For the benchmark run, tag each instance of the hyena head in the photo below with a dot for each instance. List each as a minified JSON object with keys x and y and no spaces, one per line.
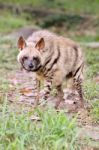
{"x":32,"y":56}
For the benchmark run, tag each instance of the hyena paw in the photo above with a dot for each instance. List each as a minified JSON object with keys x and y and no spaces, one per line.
{"x":44,"y":95}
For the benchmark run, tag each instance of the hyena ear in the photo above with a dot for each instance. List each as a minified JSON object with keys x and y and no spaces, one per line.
{"x":40,"y":44}
{"x":21,"y":43}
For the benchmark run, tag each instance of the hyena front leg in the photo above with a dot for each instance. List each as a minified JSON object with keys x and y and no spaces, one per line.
{"x":36,"y":91}
{"x":47,"y":88}
{"x":60,"y":95}
{"x":78,"y":87}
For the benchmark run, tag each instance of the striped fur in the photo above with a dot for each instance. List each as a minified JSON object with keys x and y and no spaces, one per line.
{"x":60,"y":59}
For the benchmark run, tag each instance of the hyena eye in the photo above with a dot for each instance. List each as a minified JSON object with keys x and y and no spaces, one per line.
{"x":25,"y":58}
{"x":35,"y":58}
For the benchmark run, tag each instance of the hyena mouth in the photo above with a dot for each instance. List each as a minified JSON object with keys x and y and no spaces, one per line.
{"x":31,"y":70}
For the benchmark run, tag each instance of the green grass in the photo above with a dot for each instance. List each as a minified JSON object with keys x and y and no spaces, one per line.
{"x":9,"y":22}
{"x":95,"y":111}
{"x":91,"y":90}
{"x":7,"y":55}
{"x":85,"y":38}
{"x":55,"y":131}
{"x":91,"y":87}
{"x":92,"y":59}
{"x":71,"y":20}
{"x":78,"y":6}
{"x":91,"y":93}
{"x":8,"y":63}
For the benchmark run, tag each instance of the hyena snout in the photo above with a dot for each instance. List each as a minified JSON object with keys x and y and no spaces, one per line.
{"x":35,"y":64}
{"x":32,"y":64}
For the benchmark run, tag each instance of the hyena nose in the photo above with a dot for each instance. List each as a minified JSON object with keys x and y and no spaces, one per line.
{"x":31,"y":66}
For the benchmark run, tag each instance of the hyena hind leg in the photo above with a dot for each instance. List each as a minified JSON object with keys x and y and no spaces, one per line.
{"x":60,"y":95}
{"x":78,"y":86}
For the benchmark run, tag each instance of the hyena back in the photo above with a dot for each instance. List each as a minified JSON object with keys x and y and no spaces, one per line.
{"x":54,"y":59}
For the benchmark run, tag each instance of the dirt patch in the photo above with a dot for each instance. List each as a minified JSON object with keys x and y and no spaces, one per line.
{"x":22,"y":92}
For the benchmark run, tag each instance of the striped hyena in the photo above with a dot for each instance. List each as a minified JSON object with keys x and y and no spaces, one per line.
{"x":54,"y":59}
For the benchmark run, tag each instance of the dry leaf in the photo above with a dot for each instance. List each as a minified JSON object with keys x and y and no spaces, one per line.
{"x":26,"y":92}
{"x":35,"y":118}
